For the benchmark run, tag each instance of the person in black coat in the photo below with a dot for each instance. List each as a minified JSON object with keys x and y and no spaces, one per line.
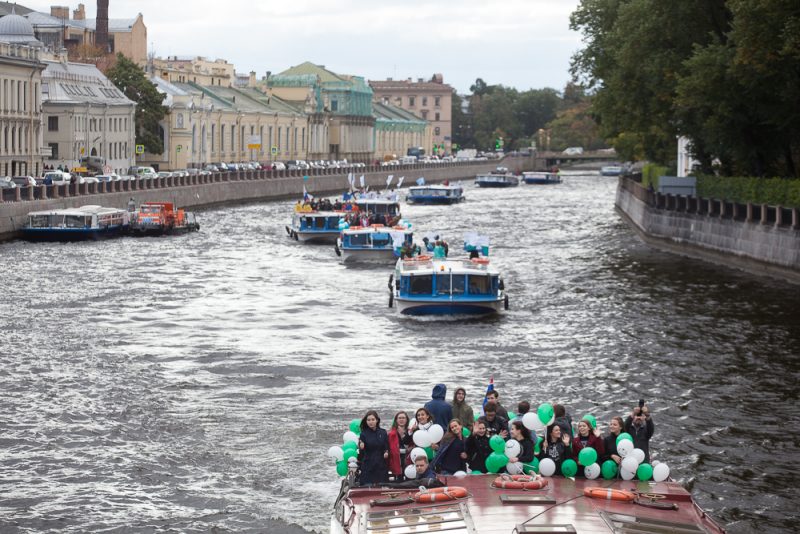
{"x":557,"y":446}
{"x":640,"y":426}
{"x":477,"y":447}
{"x":451,"y":456}
{"x":520,"y":433}
{"x":610,"y":441}
{"x":373,"y":445}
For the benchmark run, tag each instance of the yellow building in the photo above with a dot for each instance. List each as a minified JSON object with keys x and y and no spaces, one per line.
{"x":397,"y":130}
{"x":195,"y":69}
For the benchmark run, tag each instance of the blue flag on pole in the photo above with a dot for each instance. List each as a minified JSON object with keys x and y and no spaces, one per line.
{"x":489,"y":388}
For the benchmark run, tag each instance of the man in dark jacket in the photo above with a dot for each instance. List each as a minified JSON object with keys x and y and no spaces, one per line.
{"x":439,"y":408}
{"x":494,"y":423}
{"x":640,"y":426}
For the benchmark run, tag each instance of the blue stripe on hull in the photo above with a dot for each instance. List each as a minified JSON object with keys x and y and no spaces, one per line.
{"x":433,"y":200}
{"x":497,"y":184}
{"x":447,"y":308}
{"x":71,"y":234}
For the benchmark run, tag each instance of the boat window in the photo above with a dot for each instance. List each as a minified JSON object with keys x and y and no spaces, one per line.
{"x":332,"y":222}
{"x":421,"y":285}
{"x":76,"y":221}
{"x":319,"y":222}
{"x":380,"y":240}
{"x":443,"y":282}
{"x":358,"y":240}
{"x":39,"y":221}
{"x":479,"y":285}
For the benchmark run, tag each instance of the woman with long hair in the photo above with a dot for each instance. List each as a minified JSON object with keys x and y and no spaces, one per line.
{"x":587,"y":436}
{"x":615,"y":428}
{"x":400,"y":444}
{"x":521,"y":433}
{"x":451,"y":455}
{"x":373,"y":445}
{"x":556,"y":446}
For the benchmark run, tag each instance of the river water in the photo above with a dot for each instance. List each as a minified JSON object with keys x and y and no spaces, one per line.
{"x":194,"y":383}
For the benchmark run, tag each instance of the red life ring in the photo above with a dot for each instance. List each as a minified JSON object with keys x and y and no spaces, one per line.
{"x":609,"y":494}
{"x":525,"y":482}
{"x":447,"y":493}
{"x":481,"y":261}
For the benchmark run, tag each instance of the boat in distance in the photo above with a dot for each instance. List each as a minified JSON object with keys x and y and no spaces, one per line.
{"x":372,"y":244}
{"x":500,"y":177}
{"x":611,"y":170}
{"x":76,"y":224}
{"x":315,"y":226}
{"x":162,"y":218}
{"x":541,"y":177}
{"x":435,"y":194}
{"x":424,"y":285}
{"x":478,"y":504}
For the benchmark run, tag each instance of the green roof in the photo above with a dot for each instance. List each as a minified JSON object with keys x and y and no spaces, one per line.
{"x":309,"y":69}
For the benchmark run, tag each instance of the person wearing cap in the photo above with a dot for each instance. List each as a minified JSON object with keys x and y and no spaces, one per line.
{"x":588,"y":436}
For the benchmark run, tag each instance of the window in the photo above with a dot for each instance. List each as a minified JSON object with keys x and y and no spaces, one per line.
{"x":424,"y":100}
{"x":52,"y":124}
{"x":437,"y":100}
{"x":437,"y":131}
{"x":412,"y":101}
{"x":443,"y":283}
{"x":421,"y":285}
{"x":213,"y":141}
{"x":222,"y":138}
{"x":304,"y":139}
{"x":425,"y":114}
{"x":54,"y":150}
{"x":479,"y":285}
{"x":385,"y":100}
{"x":437,"y":115}
{"x":280,"y":134}
{"x":334,"y":105}
{"x":233,"y":139}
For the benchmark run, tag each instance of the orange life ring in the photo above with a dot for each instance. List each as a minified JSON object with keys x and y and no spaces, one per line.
{"x":418,"y":258}
{"x":376,"y":225}
{"x":447,"y":493}
{"x":481,"y":261}
{"x":524,"y":482}
{"x":609,"y":494}
{"x":399,"y":227}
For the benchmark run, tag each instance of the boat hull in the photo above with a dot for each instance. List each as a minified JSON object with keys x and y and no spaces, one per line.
{"x":72,"y":234}
{"x":313,"y":237}
{"x":434,"y":200}
{"x":542,"y":181}
{"x":367,"y":255}
{"x":496,"y":184}
{"x":447,"y":307}
{"x":155,"y":231}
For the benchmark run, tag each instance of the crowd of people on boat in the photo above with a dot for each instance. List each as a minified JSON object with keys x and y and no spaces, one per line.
{"x":385,"y":454}
{"x":437,"y":247}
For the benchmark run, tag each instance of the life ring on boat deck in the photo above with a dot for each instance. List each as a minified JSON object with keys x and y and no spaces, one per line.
{"x":505,"y":302}
{"x":524,"y":482}
{"x":609,"y":494}
{"x":399,"y":227}
{"x":418,"y":258}
{"x":480,"y":261}
{"x":336,"y":249}
{"x":288,"y":230}
{"x":376,"y":226}
{"x":447,"y":493}
{"x":355,"y":228}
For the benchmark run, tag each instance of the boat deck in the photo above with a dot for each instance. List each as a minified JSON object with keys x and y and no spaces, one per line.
{"x":560,"y":507}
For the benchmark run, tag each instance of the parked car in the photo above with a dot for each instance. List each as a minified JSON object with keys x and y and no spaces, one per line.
{"x":278,"y":166}
{"x":7,"y":183}
{"x":211,"y":168}
{"x":24,"y":181}
{"x":108,"y":177}
{"x":574,"y":151}
{"x":56,"y":178}
{"x":164,"y":174}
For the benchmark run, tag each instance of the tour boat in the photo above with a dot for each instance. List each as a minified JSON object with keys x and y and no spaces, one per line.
{"x":480,"y":504}
{"x":384,"y":206}
{"x":435,"y":194}
{"x":497,"y":178}
{"x":376,"y":243}
{"x":424,"y":285}
{"x":537,"y":177}
{"x":611,"y":170}
{"x":75,"y":224}
{"x":315,"y":226}
{"x":162,"y":218}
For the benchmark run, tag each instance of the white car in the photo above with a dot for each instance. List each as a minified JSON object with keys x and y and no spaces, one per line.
{"x":278,"y":166}
{"x":108,"y":177}
{"x":574,"y":151}
{"x":57,"y":177}
{"x":90,"y":180}
{"x":24,"y":181}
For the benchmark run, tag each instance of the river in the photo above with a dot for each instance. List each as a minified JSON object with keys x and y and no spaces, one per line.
{"x":195,"y":383}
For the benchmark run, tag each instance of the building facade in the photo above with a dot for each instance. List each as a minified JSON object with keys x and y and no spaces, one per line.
{"x":430,"y":100}
{"x":397,"y":130}
{"x":84,"y":114}
{"x":196,"y":69}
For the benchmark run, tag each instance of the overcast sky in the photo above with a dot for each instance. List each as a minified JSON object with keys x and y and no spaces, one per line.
{"x":518,"y":43}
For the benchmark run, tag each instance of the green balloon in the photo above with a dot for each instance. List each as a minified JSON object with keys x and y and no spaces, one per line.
{"x":532,"y":467}
{"x":477,"y":416}
{"x":497,"y":443}
{"x":350,"y":445}
{"x":545,"y":413}
{"x":465,"y":432}
{"x":429,"y":453}
{"x":355,"y":426}
{"x":645,"y":472}
{"x":475,"y":472}
{"x":496,"y":461}
{"x":587,"y":456}
{"x":511,"y":416}
{"x":609,"y":469}
{"x":341,"y":468}
{"x":624,"y":435}
{"x":569,"y":468}
{"x":350,"y":453}
{"x":592,"y":421}
{"x":539,"y":441}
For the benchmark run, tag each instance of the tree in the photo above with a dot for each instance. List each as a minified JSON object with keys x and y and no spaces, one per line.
{"x":462,"y":123}
{"x":132,"y":81}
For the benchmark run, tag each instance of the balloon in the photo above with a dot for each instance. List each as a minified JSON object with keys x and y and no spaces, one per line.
{"x":436,"y":432}
{"x":422,"y":438}
{"x":551,"y":421}
{"x":465,"y":432}
{"x":624,"y":435}
{"x":627,"y":475}
{"x":569,"y":468}
{"x":587,"y":456}
{"x":513,"y":448}
{"x":459,"y":474}
{"x":496,"y":461}
{"x":477,"y":416}
{"x":349,"y":453}
{"x":350,"y":445}
{"x":349,"y":436}
{"x":592,"y":421}
{"x":547,"y":467}
{"x":410,"y":472}
{"x":661,"y":472}
{"x":336,"y":453}
{"x":532,"y":467}
{"x":514,"y":468}
{"x":609,"y":469}
{"x":638,"y":454}
{"x":529,"y":420}
{"x":545,"y":413}
{"x":511,"y":416}
{"x":416,"y":452}
{"x":355,"y":426}
{"x":645,"y":472}
{"x":412,"y":423}
{"x":629,"y":463}
{"x":497,"y":443}
{"x":475,"y":472}
{"x":592,"y":471}
{"x":654,"y":463}
{"x":624,"y":447}
{"x":429,"y":452}
{"x":341,"y":468}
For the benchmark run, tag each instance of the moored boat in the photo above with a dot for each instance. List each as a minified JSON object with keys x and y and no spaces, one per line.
{"x":611,"y":170}
{"x":162,"y":218}
{"x":376,"y":243}
{"x":435,"y":194}
{"x":424,"y":285}
{"x":75,"y":224}
{"x":500,"y":177}
{"x":541,"y":177}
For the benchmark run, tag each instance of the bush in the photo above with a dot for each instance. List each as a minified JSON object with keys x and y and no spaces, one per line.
{"x":651,"y":173}
{"x":772,"y":191}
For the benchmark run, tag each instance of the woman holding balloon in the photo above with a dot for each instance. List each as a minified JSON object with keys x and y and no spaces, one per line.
{"x":610,"y":441}
{"x":587,"y":446}
{"x":451,"y":456}
{"x":521,"y":453}
{"x":373,"y":446}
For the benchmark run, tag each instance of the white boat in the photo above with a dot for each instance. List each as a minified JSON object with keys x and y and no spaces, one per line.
{"x":500,"y":177}
{"x":542,"y":178}
{"x":75,"y":224}
{"x":435,"y":194}
{"x":424,"y":285}
{"x":319,"y":226}
{"x":376,"y":243}
{"x":611,"y":170}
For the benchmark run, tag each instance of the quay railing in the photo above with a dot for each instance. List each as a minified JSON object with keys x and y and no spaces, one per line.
{"x":764,"y":214}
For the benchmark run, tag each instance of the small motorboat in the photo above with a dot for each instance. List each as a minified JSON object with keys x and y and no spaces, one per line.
{"x":435,"y":194}
{"x":424,"y":285}
{"x":541,"y":177}
{"x":611,"y":170}
{"x":500,"y":177}
{"x":374,"y":244}
{"x":315,"y":226}
{"x":162,"y":218}
{"x":75,"y":224}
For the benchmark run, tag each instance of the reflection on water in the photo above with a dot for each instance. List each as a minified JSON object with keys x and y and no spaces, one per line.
{"x":191,"y":382}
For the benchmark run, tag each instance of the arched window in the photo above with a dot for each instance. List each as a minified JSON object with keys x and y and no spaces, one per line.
{"x":194,"y":139}
{"x":203,"y":141}
{"x":94,"y":152}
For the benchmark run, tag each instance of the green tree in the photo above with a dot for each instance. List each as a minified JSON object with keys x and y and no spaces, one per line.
{"x":535,"y":108}
{"x":462,"y":123}
{"x":132,"y":81}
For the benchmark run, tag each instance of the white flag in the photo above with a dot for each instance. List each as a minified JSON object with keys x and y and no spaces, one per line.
{"x":351,"y":178}
{"x":400,"y":182}
{"x":362,"y":180}
{"x":389,"y":180}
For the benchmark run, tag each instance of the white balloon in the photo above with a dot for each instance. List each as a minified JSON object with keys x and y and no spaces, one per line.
{"x":412,"y":423}
{"x":336,"y":453}
{"x":638,"y":454}
{"x":436,"y":433}
{"x":410,"y":472}
{"x":422,"y":438}
{"x":349,"y":436}
{"x":417,"y":451}
{"x":627,"y":475}
{"x":661,"y":472}
{"x":547,"y":467}
{"x":624,"y":447}
{"x":513,"y":448}
{"x":530,"y":421}
{"x":592,"y":471}
{"x":352,"y":461}
{"x":654,"y":463}
{"x":629,"y":463}
{"x":514,"y":468}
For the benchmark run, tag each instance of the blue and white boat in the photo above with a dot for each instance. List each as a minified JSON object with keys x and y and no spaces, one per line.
{"x":435,"y":194}
{"x":372,"y":244}
{"x":76,"y":224}
{"x":424,"y":285}
{"x":611,"y":170}
{"x":500,"y":177}
{"x":379,"y":205}
{"x":543,"y":178}
{"x":315,"y":226}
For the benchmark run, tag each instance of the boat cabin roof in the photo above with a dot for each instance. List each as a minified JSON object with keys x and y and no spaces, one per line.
{"x":423,"y":265}
{"x":81,"y":211}
{"x":376,"y":229}
{"x":441,"y":187}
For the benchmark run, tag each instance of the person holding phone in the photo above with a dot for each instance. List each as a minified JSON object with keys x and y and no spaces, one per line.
{"x":640,"y":426}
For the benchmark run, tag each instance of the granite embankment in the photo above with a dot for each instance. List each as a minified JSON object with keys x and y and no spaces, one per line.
{"x":227,"y":187}
{"x":759,"y":239}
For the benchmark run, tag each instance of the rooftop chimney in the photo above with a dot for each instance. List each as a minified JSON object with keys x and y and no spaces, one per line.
{"x":80,"y":13}
{"x":101,"y":28}
{"x":59,"y":12}
{"x":251,"y":81}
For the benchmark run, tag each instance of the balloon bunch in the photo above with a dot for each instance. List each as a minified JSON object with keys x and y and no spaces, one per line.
{"x":632,"y":462}
{"x":423,"y":438}
{"x":346,"y":454}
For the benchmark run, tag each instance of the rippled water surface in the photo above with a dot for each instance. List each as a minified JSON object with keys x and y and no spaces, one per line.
{"x":195,"y":382}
